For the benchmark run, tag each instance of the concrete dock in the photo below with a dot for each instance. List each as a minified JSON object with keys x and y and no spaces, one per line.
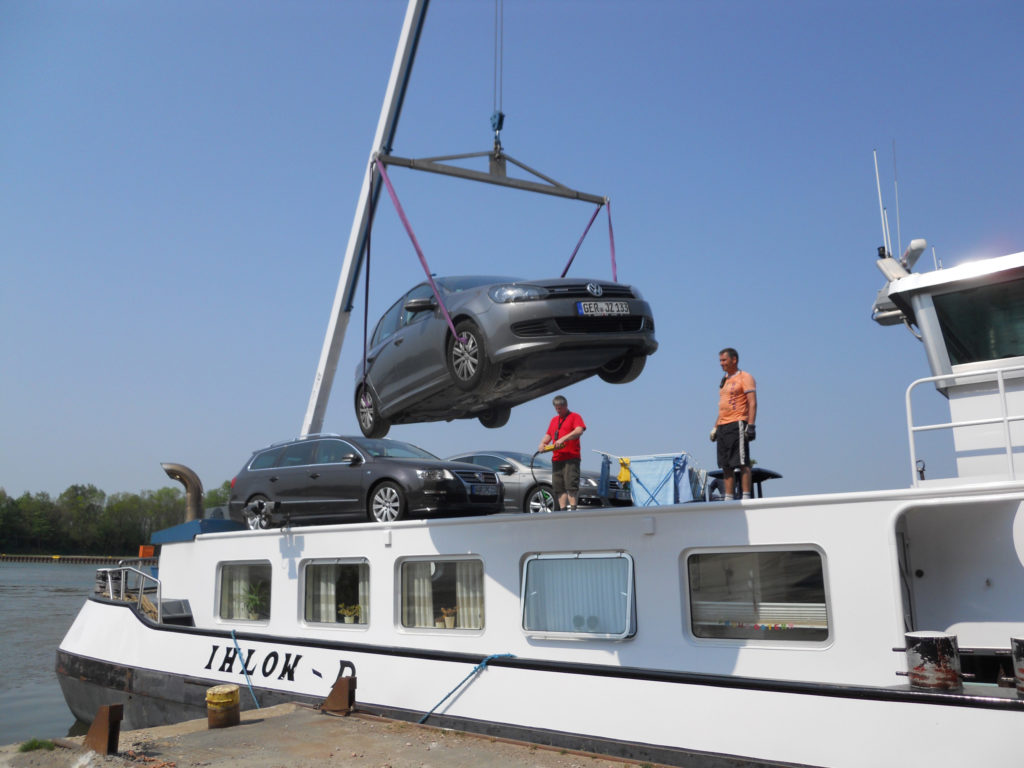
{"x":296,"y":736}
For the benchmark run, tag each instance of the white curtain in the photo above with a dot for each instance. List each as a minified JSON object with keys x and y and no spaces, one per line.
{"x":469,"y":594}
{"x":321,"y":593}
{"x":417,"y":595}
{"x":364,"y":594}
{"x":585,"y":595}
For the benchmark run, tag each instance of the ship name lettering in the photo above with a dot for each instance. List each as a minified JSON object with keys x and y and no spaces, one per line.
{"x":251,"y":665}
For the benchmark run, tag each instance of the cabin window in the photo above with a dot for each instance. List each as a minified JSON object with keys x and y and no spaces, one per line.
{"x":245,"y":591}
{"x":443,"y":594}
{"x":337,"y":592}
{"x":589,"y":595}
{"x":758,"y":595}
{"x":985,"y":322}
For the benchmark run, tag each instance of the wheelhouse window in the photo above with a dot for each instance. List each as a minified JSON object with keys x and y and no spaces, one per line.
{"x":984,"y":322}
{"x":337,"y":592}
{"x":245,"y":591}
{"x":758,"y":595}
{"x":582,"y":595}
{"x":443,"y":594}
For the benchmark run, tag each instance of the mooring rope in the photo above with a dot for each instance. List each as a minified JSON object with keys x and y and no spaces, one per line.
{"x":244,"y":670}
{"x":478,"y":668}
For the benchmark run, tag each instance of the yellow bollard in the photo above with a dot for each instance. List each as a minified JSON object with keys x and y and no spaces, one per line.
{"x":222,"y":706}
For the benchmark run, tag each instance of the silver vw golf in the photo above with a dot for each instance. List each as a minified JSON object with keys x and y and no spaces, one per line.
{"x":514,"y":340}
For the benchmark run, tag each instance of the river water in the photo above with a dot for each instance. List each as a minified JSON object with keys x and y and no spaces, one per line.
{"x":38,"y":602}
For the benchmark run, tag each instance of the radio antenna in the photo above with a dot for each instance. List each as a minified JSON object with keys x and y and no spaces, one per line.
{"x":881,"y":208}
{"x":896,"y":186}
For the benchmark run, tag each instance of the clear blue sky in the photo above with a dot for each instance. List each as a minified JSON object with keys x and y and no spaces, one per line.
{"x":178,"y":180}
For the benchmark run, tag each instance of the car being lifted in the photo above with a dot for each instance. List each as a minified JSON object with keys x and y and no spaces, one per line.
{"x":514,"y":340}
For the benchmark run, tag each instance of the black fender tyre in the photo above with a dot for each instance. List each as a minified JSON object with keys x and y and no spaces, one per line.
{"x":257,"y":521}
{"x":467,"y":363}
{"x":368,"y":415}
{"x":387,"y":502}
{"x":623,"y":370}
{"x":494,"y":418}
{"x":539,"y":500}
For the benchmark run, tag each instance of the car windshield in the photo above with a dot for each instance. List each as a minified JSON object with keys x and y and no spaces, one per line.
{"x":393,"y":449}
{"x":465,"y":282}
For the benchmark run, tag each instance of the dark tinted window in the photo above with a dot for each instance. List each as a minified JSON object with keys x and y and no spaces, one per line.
{"x":389,"y":323}
{"x":489,"y":461}
{"x":298,"y":454}
{"x":266,"y":459}
{"x":331,"y":451}
{"x":982,"y":323}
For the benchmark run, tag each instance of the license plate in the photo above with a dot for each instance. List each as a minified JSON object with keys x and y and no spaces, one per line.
{"x":602,"y":308}
{"x":483,"y":490}
{"x":620,"y":495}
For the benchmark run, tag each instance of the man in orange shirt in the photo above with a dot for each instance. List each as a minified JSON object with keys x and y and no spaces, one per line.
{"x":734,"y":428}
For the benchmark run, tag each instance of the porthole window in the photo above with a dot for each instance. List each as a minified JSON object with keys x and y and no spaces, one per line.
{"x":336,"y":592}
{"x":585,"y":595}
{"x":245,"y":591}
{"x":758,"y":595}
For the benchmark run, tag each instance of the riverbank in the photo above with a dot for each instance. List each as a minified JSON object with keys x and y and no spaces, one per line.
{"x":301,"y":737}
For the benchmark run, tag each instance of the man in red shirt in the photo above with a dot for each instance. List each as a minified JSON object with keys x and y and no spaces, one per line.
{"x":564,"y":433}
{"x":734,"y":428}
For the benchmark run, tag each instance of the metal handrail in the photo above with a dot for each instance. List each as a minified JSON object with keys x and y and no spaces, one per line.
{"x":124,"y":570}
{"x":989,"y":375}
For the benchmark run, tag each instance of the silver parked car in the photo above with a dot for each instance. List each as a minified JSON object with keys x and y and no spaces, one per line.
{"x":514,"y":341}
{"x":529,"y":489}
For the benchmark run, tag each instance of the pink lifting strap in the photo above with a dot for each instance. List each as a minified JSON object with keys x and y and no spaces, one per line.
{"x":419,"y":251}
{"x":611,"y":240}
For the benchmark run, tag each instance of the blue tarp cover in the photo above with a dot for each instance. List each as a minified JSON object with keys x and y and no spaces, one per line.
{"x":666,"y":478}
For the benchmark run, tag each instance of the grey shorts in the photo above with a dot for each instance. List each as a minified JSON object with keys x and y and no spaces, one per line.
{"x":565,"y":477}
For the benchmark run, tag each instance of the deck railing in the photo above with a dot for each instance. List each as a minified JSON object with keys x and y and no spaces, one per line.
{"x":119,"y":585}
{"x":995,"y":376}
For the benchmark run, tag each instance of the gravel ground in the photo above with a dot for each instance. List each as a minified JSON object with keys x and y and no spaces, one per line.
{"x":292,"y":736}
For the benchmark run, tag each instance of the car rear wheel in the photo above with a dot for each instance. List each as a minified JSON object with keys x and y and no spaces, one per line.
{"x":467,"y":359}
{"x":387,"y":502}
{"x":496,"y":417}
{"x":539,"y":500}
{"x":623,"y":370}
{"x":257,"y":513}
{"x":371,"y":422}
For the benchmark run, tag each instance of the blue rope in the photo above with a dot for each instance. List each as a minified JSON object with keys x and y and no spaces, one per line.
{"x":244,"y":670}
{"x":478,"y":668}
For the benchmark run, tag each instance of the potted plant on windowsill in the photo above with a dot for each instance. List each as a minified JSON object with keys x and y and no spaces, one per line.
{"x":255,"y":599}
{"x":448,"y":614}
{"x":349,"y":613}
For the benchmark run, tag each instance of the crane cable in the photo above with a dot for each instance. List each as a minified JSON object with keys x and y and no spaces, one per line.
{"x":497,"y":116}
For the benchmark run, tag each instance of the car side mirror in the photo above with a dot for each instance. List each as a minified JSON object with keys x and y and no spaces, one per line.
{"x":506,"y":469}
{"x":351,"y":459}
{"x":420,"y":305}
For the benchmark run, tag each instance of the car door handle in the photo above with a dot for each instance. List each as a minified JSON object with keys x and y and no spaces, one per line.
{"x":273,"y":479}
{"x":314,"y":475}
{"x":398,"y":342}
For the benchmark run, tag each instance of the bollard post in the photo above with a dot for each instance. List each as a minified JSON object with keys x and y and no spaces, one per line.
{"x":933,"y":661}
{"x":342,"y":698}
{"x":222,"y":706}
{"x":105,"y":729}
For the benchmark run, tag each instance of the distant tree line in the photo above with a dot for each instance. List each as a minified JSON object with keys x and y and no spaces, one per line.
{"x":83,"y":520}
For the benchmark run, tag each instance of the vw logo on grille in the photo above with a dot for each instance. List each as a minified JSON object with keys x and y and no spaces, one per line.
{"x":594,"y":289}
{"x":479,"y":477}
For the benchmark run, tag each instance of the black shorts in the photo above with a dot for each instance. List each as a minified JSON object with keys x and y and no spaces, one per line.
{"x":565,"y":477}
{"x":733,"y":450}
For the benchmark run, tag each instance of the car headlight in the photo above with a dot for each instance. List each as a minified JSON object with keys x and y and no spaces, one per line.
{"x":504,"y":294}
{"x":589,"y":482}
{"x":434,"y":474}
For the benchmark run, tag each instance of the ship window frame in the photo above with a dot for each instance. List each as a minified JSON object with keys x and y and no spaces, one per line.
{"x":362,"y":619}
{"x":450,"y":586}
{"x":628,"y":615}
{"x":265,"y":568}
{"x":765,"y":638}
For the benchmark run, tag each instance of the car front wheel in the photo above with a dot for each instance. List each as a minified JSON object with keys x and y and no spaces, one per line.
{"x":387,"y":503}
{"x":371,"y":423}
{"x":623,"y":370}
{"x":539,"y":500}
{"x":467,"y":358}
